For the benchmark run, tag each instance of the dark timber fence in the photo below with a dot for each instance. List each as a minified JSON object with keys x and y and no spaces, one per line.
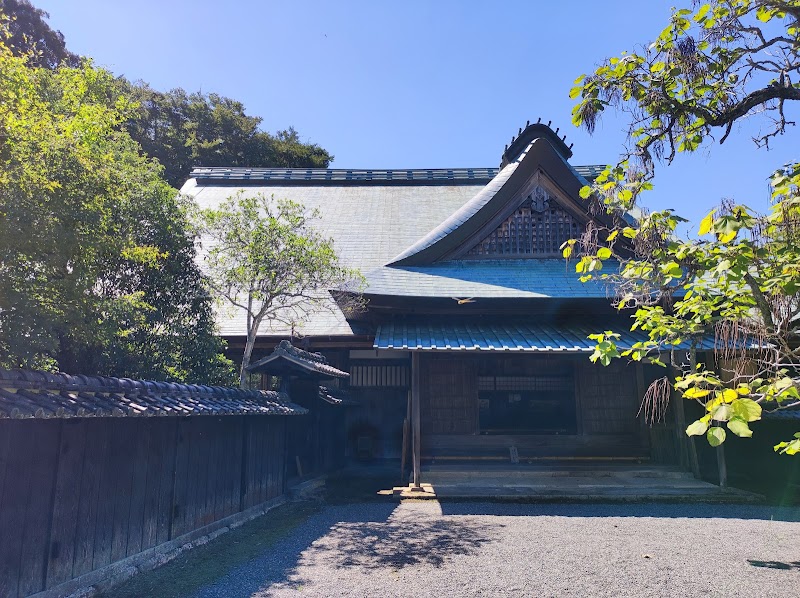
{"x":80,"y":493}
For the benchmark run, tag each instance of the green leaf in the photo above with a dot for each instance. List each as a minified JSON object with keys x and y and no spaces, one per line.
{"x":585,"y":192}
{"x":706,"y":223}
{"x":696,"y":393}
{"x":722,"y":412}
{"x":697,"y":428}
{"x":739,"y":427}
{"x":702,"y":12}
{"x":747,"y":409}
{"x":788,"y":448}
{"x":763,"y":14}
{"x":715,"y":436}
{"x":604,"y":253}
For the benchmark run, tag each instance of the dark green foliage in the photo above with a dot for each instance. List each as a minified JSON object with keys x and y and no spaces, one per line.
{"x":182,"y":130}
{"x":31,"y":36}
{"x":97,"y":270}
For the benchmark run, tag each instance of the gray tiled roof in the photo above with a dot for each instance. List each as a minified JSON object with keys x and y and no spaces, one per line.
{"x":509,"y":278}
{"x":773,"y":412}
{"x":460,"y":216}
{"x":372,"y":217}
{"x":336,"y":396}
{"x":368,"y":224}
{"x":35,"y":394}
{"x":286,"y":356}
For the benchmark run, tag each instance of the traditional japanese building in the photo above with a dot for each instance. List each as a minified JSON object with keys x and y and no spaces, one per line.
{"x":476,"y":328}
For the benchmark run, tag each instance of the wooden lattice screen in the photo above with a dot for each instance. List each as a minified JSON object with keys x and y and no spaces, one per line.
{"x":538,"y":227}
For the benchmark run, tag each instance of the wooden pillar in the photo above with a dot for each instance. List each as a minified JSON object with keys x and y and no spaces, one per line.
{"x":415,"y":419}
{"x":686,"y":448}
{"x":641,"y":390}
{"x":722,"y":466}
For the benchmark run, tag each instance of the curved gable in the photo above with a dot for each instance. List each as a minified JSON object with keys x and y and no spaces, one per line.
{"x":539,"y":166}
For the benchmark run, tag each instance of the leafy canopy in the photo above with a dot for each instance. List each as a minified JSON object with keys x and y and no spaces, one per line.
{"x":182,"y":130}
{"x":29,"y":35}
{"x":264,"y":256}
{"x":712,"y":66}
{"x":97,"y":271}
{"x":179,"y":129}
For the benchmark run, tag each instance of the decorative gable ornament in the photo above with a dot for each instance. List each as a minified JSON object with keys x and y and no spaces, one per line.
{"x":539,"y":227}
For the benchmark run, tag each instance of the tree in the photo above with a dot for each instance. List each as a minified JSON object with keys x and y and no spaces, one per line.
{"x":179,"y":129}
{"x":182,"y":130}
{"x":30,"y":36}
{"x":97,"y":271}
{"x":712,"y":66}
{"x":265,"y":257}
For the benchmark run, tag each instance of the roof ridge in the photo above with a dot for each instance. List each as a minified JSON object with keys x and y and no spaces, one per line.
{"x":39,"y":379}
{"x":461,"y":175}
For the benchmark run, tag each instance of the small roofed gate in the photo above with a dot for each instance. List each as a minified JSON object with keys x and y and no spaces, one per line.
{"x":316,"y":444}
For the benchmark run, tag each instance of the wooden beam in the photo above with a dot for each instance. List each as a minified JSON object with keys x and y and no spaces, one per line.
{"x":415,"y":419}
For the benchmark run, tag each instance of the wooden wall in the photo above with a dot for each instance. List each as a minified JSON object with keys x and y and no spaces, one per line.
{"x":79,"y":494}
{"x":607,"y":398}
{"x":448,"y":394}
{"x":607,"y":401}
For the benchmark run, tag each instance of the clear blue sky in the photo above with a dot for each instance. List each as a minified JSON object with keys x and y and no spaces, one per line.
{"x":408,"y":84}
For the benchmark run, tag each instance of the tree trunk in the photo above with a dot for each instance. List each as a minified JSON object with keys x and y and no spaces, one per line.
{"x":248,"y":352}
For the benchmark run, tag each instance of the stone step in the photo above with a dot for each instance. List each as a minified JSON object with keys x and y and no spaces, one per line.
{"x":694,"y":491}
{"x":449,"y":476}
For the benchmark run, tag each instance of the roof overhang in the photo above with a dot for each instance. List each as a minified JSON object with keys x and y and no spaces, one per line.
{"x":287,"y":360}
{"x":515,"y":335}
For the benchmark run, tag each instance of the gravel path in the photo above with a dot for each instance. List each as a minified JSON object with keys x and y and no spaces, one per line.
{"x":420,"y":548}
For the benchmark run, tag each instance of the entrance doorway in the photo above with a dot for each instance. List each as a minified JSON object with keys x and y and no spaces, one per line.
{"x":532,"y":404}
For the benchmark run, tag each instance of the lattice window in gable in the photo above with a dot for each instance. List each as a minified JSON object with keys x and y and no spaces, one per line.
{"x":538,"y":227}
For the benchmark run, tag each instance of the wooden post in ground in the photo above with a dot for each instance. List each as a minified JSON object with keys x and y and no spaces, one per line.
{"x":695,"y":464}
{"x":406,"y":433}
{"x":415,"y":420}
{"x":722,"y":466}
{"x":686,"y":447}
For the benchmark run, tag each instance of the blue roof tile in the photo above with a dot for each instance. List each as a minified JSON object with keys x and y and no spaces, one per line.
{"x":509,"y":278}
{"x":463,"y":334}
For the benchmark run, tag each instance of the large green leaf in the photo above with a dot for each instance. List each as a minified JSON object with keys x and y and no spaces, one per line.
{"x":747,"y":409}
{"x":739,"y":427}
{"x":715,"y":436}
{"x":697,"y":428}
{"x":722,"y":413}
{"x":706,"y":223}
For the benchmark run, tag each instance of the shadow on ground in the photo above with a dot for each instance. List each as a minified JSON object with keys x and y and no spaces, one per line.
{"x":401,"y":543}
{"x":774,"y":564}
{"x":353,"y":529}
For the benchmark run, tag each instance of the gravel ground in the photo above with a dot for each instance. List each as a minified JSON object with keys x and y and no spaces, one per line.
{"x":424,"y":548}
